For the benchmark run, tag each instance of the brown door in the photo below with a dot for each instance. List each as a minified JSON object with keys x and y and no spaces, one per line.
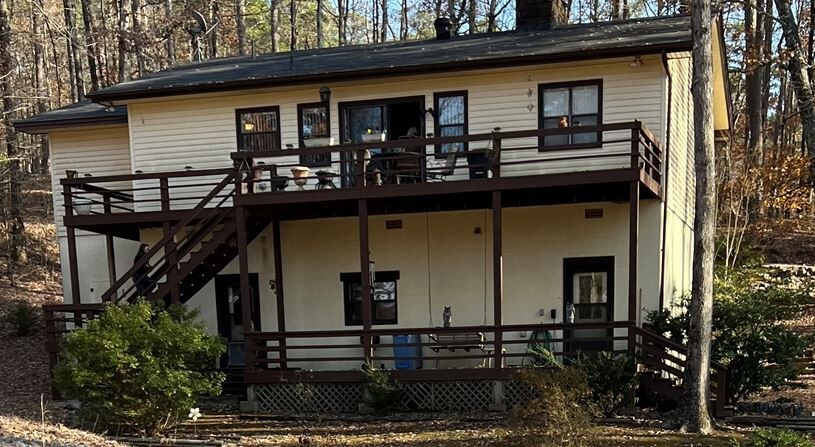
{"x":588,"y":284}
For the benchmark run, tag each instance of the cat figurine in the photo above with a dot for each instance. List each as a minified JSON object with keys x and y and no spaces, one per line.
{"x":447,"y":316}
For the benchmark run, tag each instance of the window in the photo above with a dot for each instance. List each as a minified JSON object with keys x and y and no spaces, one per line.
{"x":570,"y":105}
{"x":451,"y":119}
{"x":259,"y":129}
{"x":314,"y":122}
{"x":383,"y":298}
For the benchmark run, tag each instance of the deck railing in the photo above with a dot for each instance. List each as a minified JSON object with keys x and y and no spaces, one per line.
{"x":487,"y":156}
{"x":494,"y":155}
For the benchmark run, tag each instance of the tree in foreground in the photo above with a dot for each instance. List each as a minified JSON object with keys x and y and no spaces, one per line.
{"x":139,"y":368}
{"x":695,"y":414}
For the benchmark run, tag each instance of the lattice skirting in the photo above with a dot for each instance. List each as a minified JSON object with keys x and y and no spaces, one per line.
{"x":458,"y":396}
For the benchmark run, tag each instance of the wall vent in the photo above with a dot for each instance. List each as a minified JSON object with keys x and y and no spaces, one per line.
{"x":594,"y":213}
{"x":393,"y":224}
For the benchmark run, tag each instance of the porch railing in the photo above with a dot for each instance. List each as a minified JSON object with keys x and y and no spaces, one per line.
{"x":494,"y":155}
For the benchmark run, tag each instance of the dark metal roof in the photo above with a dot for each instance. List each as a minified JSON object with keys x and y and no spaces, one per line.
{"x":569,"y":42}
{"x":82,"y":113}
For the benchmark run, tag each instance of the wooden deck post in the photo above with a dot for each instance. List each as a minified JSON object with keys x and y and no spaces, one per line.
{"x":171,"y":256}
{"x":497,"y":276}
{"x":73,"y":266}
{"x":110,"y":252}
{"x":245,"y":290}
{"x":633,"y":250}
{"x":278,"y":274}
{"x":365,"y":278}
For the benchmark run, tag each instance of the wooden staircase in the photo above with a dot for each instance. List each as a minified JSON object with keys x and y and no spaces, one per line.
{"x":662,"y":365}
{"x":192,"y":252}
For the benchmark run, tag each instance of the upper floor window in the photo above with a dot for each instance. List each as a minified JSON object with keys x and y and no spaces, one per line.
{"x":315,"y":126}
{"x":259,"y":129}
{"x":567,"y":105}
{"x":451,"y":119}
{"x":383,"y":298}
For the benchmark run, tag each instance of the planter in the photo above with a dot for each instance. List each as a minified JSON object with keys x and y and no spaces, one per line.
{"x":325,"y":179}
{"x":82,"y":207}
{"x":319,"y":142}
{"x":373,"y":137}
{"x":279,"y":182}
{"x":300,"y":174}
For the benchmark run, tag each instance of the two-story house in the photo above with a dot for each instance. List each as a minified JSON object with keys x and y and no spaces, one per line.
{"x":434,"y":208}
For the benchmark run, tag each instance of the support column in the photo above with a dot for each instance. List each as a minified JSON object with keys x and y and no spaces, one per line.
{"x":71,"y":233}
{"x":497,"y":277}
{"x":110,"y":252}
{"x":170,"y":251}
{"x":633,"y":251}
{"x":245,"y":290}
{"x":365,"y":278}
{"x":278,"y":274}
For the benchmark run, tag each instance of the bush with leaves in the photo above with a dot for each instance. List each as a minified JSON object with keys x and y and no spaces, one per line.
{"x":562,"y":409}
{"x":139,"y":368}
{"x":379,"y":391}
{"x":23,"y":318}
{"x":750,"y":334}
{"x":611,"y":377}
{"x":776,"y":438}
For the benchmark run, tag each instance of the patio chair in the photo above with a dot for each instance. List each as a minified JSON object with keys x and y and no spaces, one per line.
{"x":440,"y":173}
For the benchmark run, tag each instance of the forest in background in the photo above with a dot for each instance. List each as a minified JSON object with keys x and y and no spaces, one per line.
{"x":54,"y":51}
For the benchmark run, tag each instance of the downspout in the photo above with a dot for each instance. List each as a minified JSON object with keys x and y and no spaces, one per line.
{"x":665,"y":177}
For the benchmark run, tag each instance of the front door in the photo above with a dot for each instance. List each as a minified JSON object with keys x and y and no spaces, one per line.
{"x":230,"y":315}
{"x":588,"y":284}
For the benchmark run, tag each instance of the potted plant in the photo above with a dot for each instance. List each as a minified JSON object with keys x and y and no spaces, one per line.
{"x":82,"y":206}
{"x":318,"y":141}
{"x":373,"y":136}
{"x":300,"y":175}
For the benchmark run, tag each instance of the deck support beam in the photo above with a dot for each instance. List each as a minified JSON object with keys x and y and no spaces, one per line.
{"x":171,"y":253}
{"x":633,"y":255}
{"x":497,"y":276}
{"x":111,"y":253}
{"x":278,"y":274}
{"x":73,"y":266}
{"x":365,"y":278}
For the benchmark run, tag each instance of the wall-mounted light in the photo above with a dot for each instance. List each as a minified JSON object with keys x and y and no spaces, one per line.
{"x":325,"y":95}
{"x":188,"y":168}
{"x":372,"y":273}
{"x":433,"y":113}
{"x":636,"y":63}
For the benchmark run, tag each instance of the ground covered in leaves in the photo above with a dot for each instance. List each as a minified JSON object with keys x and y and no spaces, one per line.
{"x":421,"y":431}
{"x":19,"y":432}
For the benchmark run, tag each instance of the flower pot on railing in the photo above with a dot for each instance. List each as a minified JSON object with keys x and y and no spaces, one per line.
{"x":300,"y":174}
{"x":279,"y":182}
{"x":319,"y":142}
{"x":373,"y":137}
{"x":82,"y":206}
{"x":257,"y":176}
{"x":71,"y":173}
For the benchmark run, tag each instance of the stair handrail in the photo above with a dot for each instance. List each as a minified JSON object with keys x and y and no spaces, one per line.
{"x":169,"y":237}
{"x":678,"y":347}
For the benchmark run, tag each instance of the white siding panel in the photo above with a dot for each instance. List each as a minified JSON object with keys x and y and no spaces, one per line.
{"x":99,"y":151}
{"x":200,"y":131}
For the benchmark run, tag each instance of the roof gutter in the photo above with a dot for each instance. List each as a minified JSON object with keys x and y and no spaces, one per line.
{"x":45,"y":126}
{"x":102,"y":96}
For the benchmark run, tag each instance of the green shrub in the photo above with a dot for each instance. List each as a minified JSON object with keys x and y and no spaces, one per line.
{"x":776,"y":438}
{"x":561,"y":411}
{"x":139,"y":368}
{"x":611,"y":377}
{"x":750,"y":334}
{"x":23,"y":318}
{"x":379,"y":392}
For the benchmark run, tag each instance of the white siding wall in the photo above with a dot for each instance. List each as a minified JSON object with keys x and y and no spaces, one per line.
{"x":443,"y":261}
{"x":200,"y":131}
{"x":98,"y":151}
{"x":681,"y":184}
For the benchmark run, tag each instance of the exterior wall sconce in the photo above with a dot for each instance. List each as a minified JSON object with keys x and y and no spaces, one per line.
{"x":372,"y":273}
{"x":71,"y":173}
{"x":325,"y":94}
{"x":636,"y":63}
{"x":433,"y":113}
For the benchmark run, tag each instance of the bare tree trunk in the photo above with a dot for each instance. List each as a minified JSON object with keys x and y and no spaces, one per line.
{"x":90,"y":44}
{"x":384,"y":24}
{"x":695,"y":398}
{"x":320,"y":36}
{"x":39,"y":78}
{"x":121,"y":38}
{"x":471,"y":13}
{"x":293,"y":30}
{"x":799,"y":79}
{"x":491,"y":12}
{"x":240,"y":25}
{"x":214,"y":17}
{"x":75,"y":60}
{"x":754,"y":84}
{"x":15,"y":229}
{"x":341,"y":21}
{"x":403,"y":21}
{"x":169,"y":44}
{"x":274,"y":25}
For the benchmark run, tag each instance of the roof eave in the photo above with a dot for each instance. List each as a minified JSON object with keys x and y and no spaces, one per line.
{"x":101,"y":96}
{"x":46,"y":126}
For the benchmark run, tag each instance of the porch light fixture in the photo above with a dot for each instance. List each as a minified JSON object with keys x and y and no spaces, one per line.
{"x":433,"y":113}
{"x":325,"y":94}
{"x":372,"y":273}
{"x":636,"y":63}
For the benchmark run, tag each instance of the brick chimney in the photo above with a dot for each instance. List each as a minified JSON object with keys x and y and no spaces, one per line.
{"x":540,"y":14}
